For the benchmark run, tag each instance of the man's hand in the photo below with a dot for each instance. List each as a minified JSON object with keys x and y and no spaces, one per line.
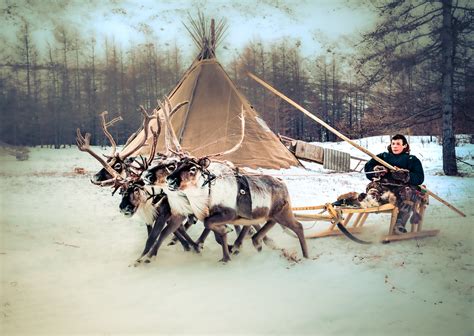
{"x":379,"y":171}
{"x":402,"y":175}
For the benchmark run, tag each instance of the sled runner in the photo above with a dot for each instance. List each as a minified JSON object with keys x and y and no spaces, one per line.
{"x":353,"y":220}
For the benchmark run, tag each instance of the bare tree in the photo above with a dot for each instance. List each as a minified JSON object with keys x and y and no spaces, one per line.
{"x":416,"y":42}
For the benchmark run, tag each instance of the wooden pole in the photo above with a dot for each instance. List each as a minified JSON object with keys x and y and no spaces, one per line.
{"x":343,"y":137}
{"x":312,"y":116}
{"x":449,"y":205}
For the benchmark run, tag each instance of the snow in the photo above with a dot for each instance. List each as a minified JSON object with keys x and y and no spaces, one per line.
{"x":66,"y":251}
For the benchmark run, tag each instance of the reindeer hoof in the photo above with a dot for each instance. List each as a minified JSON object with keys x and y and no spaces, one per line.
{"x":186,"y":248}
{"x":200,"y":246}
{"x":171,"y":243}
{"x":257,"y":244}
{"x":234,"y":250}
{"x":137,"y":263}
{"x":224,"y":260}
{"x":269,"y":242}
{"x":143,"y":260}
{"x":196,"y":249}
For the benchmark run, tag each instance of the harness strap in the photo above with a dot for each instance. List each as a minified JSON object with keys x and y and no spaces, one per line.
{"x":244,"y":199}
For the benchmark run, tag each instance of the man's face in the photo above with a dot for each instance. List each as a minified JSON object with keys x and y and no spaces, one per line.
{"x":397,"y":146}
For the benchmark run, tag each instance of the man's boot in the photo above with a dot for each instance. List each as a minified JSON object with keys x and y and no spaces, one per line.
{"x":402,"y":218}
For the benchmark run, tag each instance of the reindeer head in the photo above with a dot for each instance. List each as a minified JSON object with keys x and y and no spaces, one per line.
{"x":132,"y":196}
{"x":120,"y":165}
{"x":190,"y":172}
{"x":116,"y":163}
{"x":161,"y":168}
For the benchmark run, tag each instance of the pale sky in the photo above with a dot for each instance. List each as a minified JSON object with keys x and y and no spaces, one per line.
{"x":307,"y":21}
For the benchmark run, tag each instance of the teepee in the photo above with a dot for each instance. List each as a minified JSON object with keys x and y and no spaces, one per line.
{"x":210,"y":122}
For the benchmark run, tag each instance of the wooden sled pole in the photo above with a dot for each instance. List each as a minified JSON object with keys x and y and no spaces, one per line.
{"x":449,"y":205}
{"x":312,"y":116}
{"x":343,"y":137}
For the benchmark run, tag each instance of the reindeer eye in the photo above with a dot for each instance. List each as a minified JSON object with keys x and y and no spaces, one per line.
{"x":117,"y":166}
{"x":170,"y":168}
{"x":193,"y":170}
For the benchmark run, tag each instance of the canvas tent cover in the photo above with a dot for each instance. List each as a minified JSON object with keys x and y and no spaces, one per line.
{"x":210,"y":122}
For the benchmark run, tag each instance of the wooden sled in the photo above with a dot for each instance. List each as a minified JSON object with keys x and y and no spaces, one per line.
{"x":353,"y":220}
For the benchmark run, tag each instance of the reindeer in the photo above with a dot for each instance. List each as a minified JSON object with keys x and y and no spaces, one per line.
{"x":155,"y":211}
{"x":156,"y":176}
{"x":208,"y":204}
{"x":217,"y":203}
{"x":126,"y":175}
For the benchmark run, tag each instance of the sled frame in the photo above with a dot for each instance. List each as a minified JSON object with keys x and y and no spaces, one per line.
{"x":354,"y":219}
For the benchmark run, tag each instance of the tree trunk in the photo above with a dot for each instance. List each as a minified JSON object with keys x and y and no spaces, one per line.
{"x":447,"y":46}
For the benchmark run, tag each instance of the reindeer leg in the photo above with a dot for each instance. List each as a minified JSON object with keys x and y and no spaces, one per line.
{"x":238,"y":242}
{"x":173,"y":224}
{"x":298,"y":229}
{"x":257,"y":238}
{"x":287,"y":219}
{"x":190,"y":221}
{"x":160,"y":222}
{"x":182,"y":231}
{"x":202,"y":238}
{"x":216,"y":223}
{"x":149,"y":228}
{"x":238,"y":229}
{"x":179,"y":237}
{"x":267,"y":240}
{"x":164,"y":213}
{"x":221,"y":238}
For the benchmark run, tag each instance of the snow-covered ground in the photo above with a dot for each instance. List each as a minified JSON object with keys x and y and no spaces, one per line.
{"x":65,"y":252}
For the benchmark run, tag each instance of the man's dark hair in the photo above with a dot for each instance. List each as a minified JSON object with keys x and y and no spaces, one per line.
{"x":404,"y":141}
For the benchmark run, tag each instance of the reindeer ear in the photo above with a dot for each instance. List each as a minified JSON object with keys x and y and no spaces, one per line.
{"x":204,"y":162}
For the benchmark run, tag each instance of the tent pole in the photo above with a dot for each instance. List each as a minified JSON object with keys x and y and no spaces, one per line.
{"x":343,"y":137}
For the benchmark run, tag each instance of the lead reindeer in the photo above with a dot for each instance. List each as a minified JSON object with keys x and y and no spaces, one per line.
{"x":125,"y":174}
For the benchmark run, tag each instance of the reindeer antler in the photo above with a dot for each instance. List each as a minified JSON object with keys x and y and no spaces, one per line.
{"x":83,"y":143}
{"x":166,"y":111}
{"x":106,"y":131}
{"x":237,"y":145}
{"x":154,"y":143}
{"x":146,"y":121}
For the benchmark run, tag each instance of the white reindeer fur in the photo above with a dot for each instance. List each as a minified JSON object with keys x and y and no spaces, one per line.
{"x":179,"y":204}
{"x":147,"y":211}
{"x":223,"y":193}
{"x":177,"y":200}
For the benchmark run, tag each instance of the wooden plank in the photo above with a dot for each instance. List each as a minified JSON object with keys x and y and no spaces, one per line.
{"x":308,"y":151}
{"x":327,"y":233}
{"x":363,"y":219}
{"x":410,"y":235}
{"x":312,"y":217}
{"x":382,"y":208}
{"x":311,"y":207}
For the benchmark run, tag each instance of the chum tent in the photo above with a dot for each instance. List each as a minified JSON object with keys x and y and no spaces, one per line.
{"x":210,"y":122}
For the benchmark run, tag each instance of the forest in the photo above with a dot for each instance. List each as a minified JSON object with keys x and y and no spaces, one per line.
{"x":411,"y":73}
